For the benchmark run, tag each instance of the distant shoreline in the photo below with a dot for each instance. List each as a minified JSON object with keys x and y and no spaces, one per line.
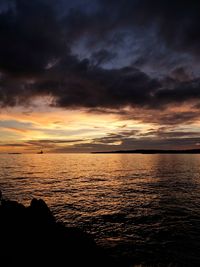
{"x":153,"y":151}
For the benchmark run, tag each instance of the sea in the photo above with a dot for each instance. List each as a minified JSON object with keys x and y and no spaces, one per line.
{"x":144,"y":209}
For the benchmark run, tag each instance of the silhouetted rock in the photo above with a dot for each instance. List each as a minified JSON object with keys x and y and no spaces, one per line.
{"x":30,"y":236}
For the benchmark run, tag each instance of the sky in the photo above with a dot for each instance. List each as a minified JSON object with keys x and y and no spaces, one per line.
{"x":99,"y":75}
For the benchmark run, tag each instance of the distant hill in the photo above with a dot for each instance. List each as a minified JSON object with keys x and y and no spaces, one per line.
{"x":150,"y":151}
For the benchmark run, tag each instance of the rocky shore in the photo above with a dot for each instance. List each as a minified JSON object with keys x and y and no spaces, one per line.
{"x":30,"y":236}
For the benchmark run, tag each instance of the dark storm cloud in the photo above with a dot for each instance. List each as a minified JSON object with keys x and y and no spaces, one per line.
{"x":38,"y":37}
{"x":102,"y":56}
{"x":31,"y":37}
{"x":181,"y":74}
{"x":165,"y":29}
{"x":183,"y":91}
{"x":177,"y":22}
{"x":96,"y":87}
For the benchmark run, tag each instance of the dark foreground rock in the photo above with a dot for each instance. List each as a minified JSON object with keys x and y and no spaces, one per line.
{"x":30,"y":236}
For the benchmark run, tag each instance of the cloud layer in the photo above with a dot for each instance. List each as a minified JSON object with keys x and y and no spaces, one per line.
{"x":101,"y":55}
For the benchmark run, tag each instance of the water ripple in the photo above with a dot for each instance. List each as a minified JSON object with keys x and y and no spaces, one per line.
{"x":144,"y":207}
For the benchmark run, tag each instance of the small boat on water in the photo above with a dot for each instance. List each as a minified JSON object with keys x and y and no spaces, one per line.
{"x":40,"y":152}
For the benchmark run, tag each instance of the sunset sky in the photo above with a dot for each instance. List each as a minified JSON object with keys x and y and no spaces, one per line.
{"x":86,"y":75}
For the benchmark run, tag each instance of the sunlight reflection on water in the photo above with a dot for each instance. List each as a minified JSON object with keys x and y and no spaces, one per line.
{"x":130,"y":203}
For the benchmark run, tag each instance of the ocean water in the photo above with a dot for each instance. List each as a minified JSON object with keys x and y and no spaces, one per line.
{"x":143,"y":208}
